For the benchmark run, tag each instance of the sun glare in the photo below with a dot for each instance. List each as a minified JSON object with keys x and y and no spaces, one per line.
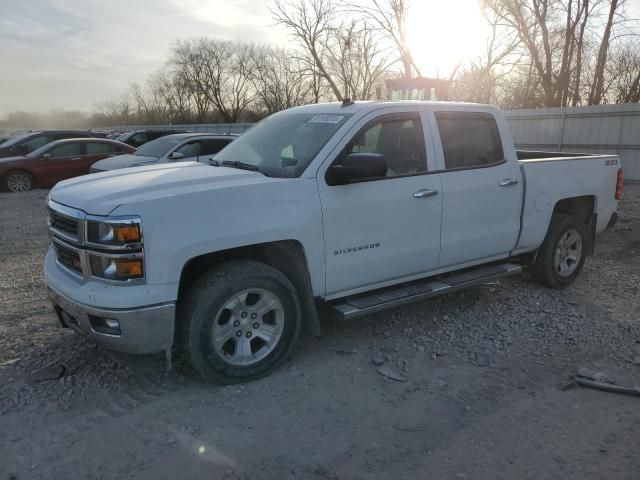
{"x":442,"y":33}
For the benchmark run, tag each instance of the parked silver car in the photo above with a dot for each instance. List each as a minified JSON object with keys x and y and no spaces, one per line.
{"x":180,"y":147}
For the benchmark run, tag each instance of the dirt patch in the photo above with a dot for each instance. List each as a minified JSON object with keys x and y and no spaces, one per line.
{"x":480,"y":400}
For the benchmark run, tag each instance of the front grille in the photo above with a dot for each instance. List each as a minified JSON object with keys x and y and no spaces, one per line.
{"x":69,"y":258}
{"x":63,"y":224}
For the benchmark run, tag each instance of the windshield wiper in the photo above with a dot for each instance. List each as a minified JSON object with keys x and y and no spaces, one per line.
{"x":241,"y":165}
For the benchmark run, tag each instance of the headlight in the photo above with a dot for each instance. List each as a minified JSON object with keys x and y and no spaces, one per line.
{"x":116,"y":233}
{"x":117,"y":268}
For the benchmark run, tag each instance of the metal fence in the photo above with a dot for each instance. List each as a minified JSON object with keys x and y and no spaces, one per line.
{"x":596,"y":129}
{"x":217,"y":128}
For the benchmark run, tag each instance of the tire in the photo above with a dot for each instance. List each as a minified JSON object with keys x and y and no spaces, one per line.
{"x":562,"y":255}
{"x":239,"y":321}
{"x":18,"y":181}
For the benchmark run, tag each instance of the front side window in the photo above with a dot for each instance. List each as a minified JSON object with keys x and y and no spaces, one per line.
{"x":66,"y":150}
{"x":399,"y":137}
{"x":469,"y":139}
{"x":190,"y":149}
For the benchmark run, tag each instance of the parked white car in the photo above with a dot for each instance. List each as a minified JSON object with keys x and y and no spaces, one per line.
{"x":179,"y":147}
{"x":359,"y":207}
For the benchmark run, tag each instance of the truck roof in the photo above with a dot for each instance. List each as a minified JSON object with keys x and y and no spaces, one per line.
{"x":359,"y":106}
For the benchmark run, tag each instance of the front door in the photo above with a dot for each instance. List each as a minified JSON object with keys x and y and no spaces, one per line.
{"x":482,"y":190}
{"x":384,"y":229}
{"x":64,"y":161}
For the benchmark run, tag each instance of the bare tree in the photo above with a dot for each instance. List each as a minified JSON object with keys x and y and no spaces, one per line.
{"x":390,"y":17}
{"x":357,"y":58}
{"x":280,"y":80}
{"x":310,"y":22}
{"x":479,"y":81}
{"x":597,"y":85}
{"x":189,"y":62}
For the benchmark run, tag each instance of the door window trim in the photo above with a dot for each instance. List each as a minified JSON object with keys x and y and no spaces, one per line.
{"x":415,"y":115}
{"x":438,"y":140}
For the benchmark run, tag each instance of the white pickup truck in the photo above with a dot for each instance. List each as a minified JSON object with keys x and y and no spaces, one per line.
{"x":355,"y":206}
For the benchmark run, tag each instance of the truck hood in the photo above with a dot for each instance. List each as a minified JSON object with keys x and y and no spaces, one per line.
{"x":101,"y":193}
{"x":122,"y":161}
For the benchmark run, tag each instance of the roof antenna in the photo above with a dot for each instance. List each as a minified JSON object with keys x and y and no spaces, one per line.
{"x":347,"y":101}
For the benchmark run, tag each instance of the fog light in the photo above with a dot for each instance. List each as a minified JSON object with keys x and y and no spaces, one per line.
{"x":109,"y":326}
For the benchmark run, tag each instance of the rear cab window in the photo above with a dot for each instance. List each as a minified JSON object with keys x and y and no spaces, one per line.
{"x":469,"y":140}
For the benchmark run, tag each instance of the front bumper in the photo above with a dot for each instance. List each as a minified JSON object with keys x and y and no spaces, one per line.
{"x":142,"y":330}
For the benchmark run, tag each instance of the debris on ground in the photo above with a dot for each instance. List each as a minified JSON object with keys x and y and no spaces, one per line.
{"x":392,"y":374}
{"x":600,"y":381}
{"x":48,"y":372}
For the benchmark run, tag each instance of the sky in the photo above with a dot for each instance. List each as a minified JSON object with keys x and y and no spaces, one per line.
{"x":74,"y":54}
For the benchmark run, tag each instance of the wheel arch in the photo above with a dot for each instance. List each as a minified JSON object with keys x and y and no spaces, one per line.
{"x":287,"y":256}
{"x":583,"y":207}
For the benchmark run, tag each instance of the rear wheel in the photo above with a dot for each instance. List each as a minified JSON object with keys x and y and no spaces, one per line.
{"x":563,"y":252}
{"x":239,"y":321}
{"x":18,"y":181}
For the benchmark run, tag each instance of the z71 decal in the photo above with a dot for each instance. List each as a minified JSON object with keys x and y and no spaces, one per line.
{"x":356,"y":249}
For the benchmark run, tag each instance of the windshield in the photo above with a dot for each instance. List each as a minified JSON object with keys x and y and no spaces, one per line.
{"x":283,"y":144}
{"x":158,"y":147}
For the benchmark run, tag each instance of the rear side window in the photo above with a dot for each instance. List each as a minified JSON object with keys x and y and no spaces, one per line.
{"x":139,"y":138}
{"x":469,"y":139}
{"x":66,"y":150}
{"x":99,"y":148}
{"x":209,"y":147}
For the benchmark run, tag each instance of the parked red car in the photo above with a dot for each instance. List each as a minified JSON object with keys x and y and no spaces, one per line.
{"x":56,"y":161}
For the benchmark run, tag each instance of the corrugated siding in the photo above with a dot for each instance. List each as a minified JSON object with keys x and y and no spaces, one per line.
{"x":596,"y":129}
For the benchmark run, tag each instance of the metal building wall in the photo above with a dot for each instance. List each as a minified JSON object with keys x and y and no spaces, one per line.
{"x":595,"y":129}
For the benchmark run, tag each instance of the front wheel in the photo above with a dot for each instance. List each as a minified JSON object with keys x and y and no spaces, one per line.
{"x":563,"y":252}
{"x":18,"y":181}
{"x":239,"y":321}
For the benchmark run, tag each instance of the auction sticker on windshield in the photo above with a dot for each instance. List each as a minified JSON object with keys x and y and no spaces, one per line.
{"x":326,"y":119}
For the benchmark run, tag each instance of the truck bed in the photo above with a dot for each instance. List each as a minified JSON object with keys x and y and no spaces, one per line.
{"x":549,"y":177}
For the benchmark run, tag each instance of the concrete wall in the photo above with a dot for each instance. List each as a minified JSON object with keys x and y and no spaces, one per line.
{"x":596,"y":129}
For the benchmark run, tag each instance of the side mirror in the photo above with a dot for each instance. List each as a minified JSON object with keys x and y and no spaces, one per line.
{"x":176,"y":156}
{"x":357,"y":167}
{"x":46,"y":156}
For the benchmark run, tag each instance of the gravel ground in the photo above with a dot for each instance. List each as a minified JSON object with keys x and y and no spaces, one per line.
{"x":481,"y":400}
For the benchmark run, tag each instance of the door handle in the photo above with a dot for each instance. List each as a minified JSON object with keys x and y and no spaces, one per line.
{"x":507,"y":182}
{"x":426,"y":192}
{"x":75,"y":158}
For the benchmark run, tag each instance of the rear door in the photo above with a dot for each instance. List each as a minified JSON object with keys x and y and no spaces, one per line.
{"x":382,"y":230}
{"x":482,"y":190}
{"x":95,"y":151}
